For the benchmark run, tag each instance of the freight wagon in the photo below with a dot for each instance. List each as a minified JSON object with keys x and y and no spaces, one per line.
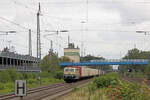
{"x":74,"y":73}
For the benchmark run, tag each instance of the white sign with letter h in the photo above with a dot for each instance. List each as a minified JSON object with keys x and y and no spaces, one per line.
{"x":20,"y":87}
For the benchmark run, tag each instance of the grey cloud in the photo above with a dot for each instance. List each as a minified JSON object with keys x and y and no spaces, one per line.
{"x":130,"y":11}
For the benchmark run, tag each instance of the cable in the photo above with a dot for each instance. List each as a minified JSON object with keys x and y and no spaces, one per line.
{"x":32,"y":10}
{"x":14,"y":23}
{"x":96,"y":1}
{"x":87,"y":8}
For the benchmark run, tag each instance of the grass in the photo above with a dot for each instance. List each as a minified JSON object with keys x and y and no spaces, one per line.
{"x":84,"y":94}
{"x":31,"y":83}
{"x":110,"y":87}
{"x":134,"y":74}
{"x":137,"y":75}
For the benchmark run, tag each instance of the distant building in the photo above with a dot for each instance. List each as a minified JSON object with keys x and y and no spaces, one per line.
{"x":72,"y":53}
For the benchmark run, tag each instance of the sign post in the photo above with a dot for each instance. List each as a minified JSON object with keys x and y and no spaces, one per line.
{"x":20,"y":88}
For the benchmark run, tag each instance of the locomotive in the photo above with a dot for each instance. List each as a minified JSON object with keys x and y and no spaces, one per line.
{"x":74,"y":73}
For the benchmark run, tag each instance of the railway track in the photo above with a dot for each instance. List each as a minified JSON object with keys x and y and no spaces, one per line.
{"x":29,"y":91}
{"x":39,"y":93}
{"x":134,"y":80}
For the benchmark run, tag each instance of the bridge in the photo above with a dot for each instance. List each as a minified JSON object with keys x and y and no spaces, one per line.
{"x":107,"y":62}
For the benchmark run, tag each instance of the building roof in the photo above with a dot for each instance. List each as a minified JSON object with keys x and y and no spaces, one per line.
{"x":17,"y":56}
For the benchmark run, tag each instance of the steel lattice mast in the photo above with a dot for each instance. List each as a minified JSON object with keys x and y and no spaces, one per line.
{"x":38,"y":34}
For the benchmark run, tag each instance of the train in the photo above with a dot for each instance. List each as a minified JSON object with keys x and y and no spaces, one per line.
{"x":74,"y":73}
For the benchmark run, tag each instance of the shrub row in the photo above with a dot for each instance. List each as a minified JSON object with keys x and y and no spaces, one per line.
{"x":11,"y":75}
{"x":129,"y":91}
{"x":105,"y":81}
{"x":119,"y":90}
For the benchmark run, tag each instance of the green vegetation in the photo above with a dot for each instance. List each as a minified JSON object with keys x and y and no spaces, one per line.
{"x":107,"y":80}
{"x":84,"y":94}
{"x":110,"y":87}
{"x":119,"y":90}
{"x":50,"y":66}
{"x":8,"y":77}
{"x":137,"y":70}
{"x":137,"y":75}
{"x":50,"y":63}
{"x":90,"y":57}
{"x":51,"y":73}
{"x":64,"y":59}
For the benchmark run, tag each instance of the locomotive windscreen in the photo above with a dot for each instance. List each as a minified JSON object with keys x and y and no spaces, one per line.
{"x":69,"y":69}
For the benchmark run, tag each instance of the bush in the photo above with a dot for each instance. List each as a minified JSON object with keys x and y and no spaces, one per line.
{"x":2,"y":86}
{"x":10,"y":75}
{"x":107,"y":80}
{"x":4,"y":77}
{"x":129,"y":91}
{"x":9,"y":86}
{"x":14,"y":75}
{"x":28,"y":75}
{"x":32,"y":81}
{"x":59,"y":75}
{"x":46,"y":74}
{"x":91,"y":88}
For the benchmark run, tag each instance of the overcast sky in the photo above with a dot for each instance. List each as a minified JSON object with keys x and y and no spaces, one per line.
{"x":108,"y":31}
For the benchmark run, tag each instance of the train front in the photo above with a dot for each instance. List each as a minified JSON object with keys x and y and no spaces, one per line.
{"x":71,"y":74}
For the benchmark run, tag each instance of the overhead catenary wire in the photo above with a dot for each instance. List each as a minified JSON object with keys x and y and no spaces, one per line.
{"x":103,"y":30}
{"x":33,"y":10}
{"x":90,"y":1}
{"x":16,"y":24}
{"x":46,"y":14}
{"x":12,"y":22}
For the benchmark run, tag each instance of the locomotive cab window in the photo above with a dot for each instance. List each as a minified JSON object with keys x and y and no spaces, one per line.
{"x":69,"y":70}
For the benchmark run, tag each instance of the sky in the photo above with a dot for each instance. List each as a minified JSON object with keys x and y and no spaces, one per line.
{"x":109,"y":28}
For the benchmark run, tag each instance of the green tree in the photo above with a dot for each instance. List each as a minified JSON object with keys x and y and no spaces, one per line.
{"x":50,"y":63}
{"x":90,"y":57}
{"x":64,"y":59}
{"x":136,"y":54}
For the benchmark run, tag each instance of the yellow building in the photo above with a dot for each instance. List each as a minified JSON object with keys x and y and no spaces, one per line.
{"x":72,"y":53}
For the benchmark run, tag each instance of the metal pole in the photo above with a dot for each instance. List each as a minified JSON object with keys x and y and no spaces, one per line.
{"x":68,"y":41}
{"x":21,"y":97}
{"x":38,"y":34}
{"x":51,"y":45}
{"x":87,"y":10}
{"x":38,"y":40}
{"x":30,"y":43}
{"x":82,"y":42}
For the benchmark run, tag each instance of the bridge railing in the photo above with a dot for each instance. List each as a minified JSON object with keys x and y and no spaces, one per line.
{"x":107,"y":62}
{"x":120,"y":60}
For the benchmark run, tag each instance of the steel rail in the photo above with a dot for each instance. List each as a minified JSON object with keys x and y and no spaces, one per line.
{"x":135,"y":80}
{"x":29,"y":91}
{"x":60,"y":91}
{"x":44,"y":91}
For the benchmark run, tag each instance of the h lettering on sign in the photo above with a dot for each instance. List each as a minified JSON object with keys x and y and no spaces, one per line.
{"x":20,"y":87}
